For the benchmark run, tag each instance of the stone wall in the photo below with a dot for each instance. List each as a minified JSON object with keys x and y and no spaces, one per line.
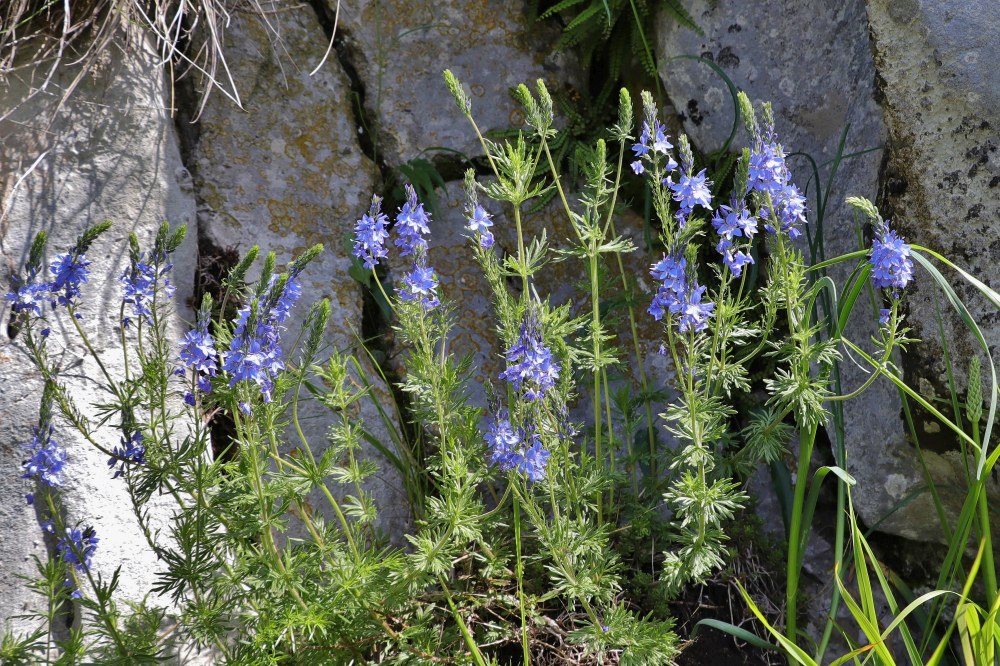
{"x":296,"y":165}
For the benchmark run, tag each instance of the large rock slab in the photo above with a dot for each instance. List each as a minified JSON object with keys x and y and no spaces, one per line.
{"x":819,"y":89}
{"x":109,"y":153}
{"x":941,"y":97}
{"x":286,"y":173}
{"x":399,"y":48}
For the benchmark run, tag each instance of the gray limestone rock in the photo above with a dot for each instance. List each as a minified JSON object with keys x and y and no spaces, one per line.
{"x":287,"y":173}
{"x":940,"y":90}
{"x":109,"y":153}
{"x":400,"y":48}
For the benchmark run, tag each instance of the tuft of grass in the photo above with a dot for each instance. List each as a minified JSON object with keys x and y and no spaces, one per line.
{"x":45,"y":36}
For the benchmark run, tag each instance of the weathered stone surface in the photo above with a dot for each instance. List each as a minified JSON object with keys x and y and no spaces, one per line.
{"x":110,"y":153}
{"x":288,"y":173}
{"x":940,"y":88}
{"x":400,"y":48}
{"x":812,"y":61}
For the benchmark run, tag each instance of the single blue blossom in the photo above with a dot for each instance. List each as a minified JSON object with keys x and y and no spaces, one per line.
{"x":530,"y":365}
{"x":892,"y":267}
{"x":411,"y":225}
{"x":479,"y":224}
{"x":883,"y":318}
{"x":371,"y":233}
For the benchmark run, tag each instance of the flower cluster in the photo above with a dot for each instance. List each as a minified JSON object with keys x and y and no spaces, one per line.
{"x":690,"y":189}
{"x":892,"y":267}
{"x":140,"y":281}
{"x":769,"y":175}
{"x":520,"y":450}
{"x":734,"y":221}
{"x":255,"y":353}
{"x":411,"y":225}
{"x":69,"y":271}
{"x":530,"y":365}
{"x":420,"y":284}
{"x":679,"y":297}
{"x":652,"y":141}
{"x":29,"y":294}
{"x":77,"y":549}
{"x":46,"y":460}
{"x":131,"y":450}
{"x":198,"y":353}
{"x":370,"y":234}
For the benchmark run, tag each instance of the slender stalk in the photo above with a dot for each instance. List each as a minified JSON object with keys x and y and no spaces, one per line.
{"x":797,"y":532}
{"x":519,"y":572}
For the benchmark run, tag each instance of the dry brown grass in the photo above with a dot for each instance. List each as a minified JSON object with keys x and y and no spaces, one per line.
{"x":38,"y":37}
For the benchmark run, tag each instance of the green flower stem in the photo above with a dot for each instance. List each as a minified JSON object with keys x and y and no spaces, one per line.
{"x":470,"y":641}
{"x":989,"y":566}
{"x":519,"y":573}
{"x":797,"y":533}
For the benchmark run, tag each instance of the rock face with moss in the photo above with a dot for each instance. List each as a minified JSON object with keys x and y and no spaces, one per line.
{"x":109,"y":153}
{"x":398,"y":49}
{"x":286,"y":173}
{"x":940,"y":91}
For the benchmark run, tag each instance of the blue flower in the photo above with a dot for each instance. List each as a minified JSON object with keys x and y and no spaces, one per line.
{"x":76,"y":549}
{"x":731,"y":222}
{"x":529,"y":362}
{"x":534,"y":460}
{"x":691,"y":191}
{"x":46,"y":459}
{"x":140,"y":282}
{"x":70,"y":271}
{"x":677,"y":295}
{"x":198,"y":351}
{"x":503,"y":441}
{"x":694,"y":313}
{"x":411,"y":225}
{"x":767,"y":169}
{"x":131,"y":450}
{"x":769,"y":175}
{"x":28,"y":295}
{"x":370,"y":234}
{"x":420,"y":285}
{"x":637,"y":167}
{"x":519,"y":450}
{"x":671,"y":271}
{"x":479,"y":224}
{"x":892,"y":267}
{"x":254,"y":352}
